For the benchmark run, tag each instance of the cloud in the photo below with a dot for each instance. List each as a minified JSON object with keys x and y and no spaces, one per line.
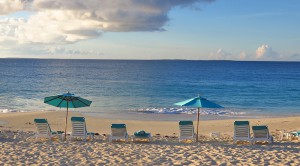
{"x":243,"y":56}
{"x":60,"y":27}
{"x":68,"y":21}
{"x":65,"y":51}
{"x":265,"y":52}
{"x":9,"y":6}
{"x":295,"y":56}
{"x":262,"y":53}
{"x":220,"y":55}
{"x":7,"y":29}
{"x":36,"y":50}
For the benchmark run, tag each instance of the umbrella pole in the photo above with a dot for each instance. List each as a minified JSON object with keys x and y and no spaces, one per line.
{"x":66,"y":121}
{"x":198,"y":115}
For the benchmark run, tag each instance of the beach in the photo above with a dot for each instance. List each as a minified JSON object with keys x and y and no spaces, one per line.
{"x":200,"y":82}
{"x":19,"y":146}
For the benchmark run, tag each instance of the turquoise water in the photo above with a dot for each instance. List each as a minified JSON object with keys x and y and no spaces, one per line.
{"x":151,"y":87}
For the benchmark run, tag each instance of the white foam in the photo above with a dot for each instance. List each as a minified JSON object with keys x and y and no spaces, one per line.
{"x":11,"y":110}
{"x":7,"y":110}
{"x":220,"y":112}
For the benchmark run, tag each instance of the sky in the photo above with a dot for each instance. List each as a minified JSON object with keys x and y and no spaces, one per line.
{"x":245,"y":30}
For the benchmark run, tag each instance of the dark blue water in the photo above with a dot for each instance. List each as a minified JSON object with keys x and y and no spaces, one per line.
{"x":122,"y":85}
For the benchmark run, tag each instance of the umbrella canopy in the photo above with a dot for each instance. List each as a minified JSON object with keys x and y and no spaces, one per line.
{"x":198,"y":102}
{"x":67,"y":100}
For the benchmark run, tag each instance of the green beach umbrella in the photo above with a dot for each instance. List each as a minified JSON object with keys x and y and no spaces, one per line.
{"x":198,"y":102}
{"x":67,"y":100}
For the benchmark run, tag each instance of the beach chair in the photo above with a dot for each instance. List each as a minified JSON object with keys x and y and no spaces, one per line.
{"x":241,"y":131}
{"x":43,"y":129}
{"x":79,"y":129}
{"x":118,"y":133}
{"x":261,"y":134}
{"x":186,"y":129}
{"x":141,"y":135}
{"x":295,"y":135}
{"x":284,"y":135}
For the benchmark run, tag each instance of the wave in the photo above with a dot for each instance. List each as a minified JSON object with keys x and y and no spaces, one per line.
{"x":8,"y":110}
{"x":220,"y":112}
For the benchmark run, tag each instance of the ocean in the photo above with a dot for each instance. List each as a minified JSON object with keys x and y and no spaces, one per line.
{"x":139,"y":87}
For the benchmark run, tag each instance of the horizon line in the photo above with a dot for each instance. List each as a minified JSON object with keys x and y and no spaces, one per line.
{"x":150,"y":59}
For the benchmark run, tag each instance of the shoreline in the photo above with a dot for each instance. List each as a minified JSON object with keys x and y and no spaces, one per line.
{"x":126,"y":115}
{"x":24,"y":121}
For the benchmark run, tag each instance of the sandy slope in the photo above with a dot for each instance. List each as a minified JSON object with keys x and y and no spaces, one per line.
{"x":20,"y":146}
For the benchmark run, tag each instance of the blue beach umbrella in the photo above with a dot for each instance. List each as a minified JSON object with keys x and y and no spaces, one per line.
{"x":67,"y":100}
{"x":198,"y":102}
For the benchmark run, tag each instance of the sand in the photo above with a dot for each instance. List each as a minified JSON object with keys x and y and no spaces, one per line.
{"x":19,"y":146}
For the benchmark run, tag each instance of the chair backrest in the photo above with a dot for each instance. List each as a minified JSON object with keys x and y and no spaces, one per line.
{"x":118,"y":130}
{"x":260,"y":131}
{"x":78,"y":127}
{"x":186,"y":128}
{"x":241,"y":129}
{"x":42,"y":126}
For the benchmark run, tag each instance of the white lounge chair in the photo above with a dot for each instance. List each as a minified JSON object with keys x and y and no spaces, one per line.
{"x":43,"y":129}
{"x":141,"y":136}
{"x":79,"y":129}
{"x":284,"y":135}
{"x":186,"y":129}
{"x":261,"y":134}
{"x":289,"y":136}
{"x":118,"y":133}
{"x":241,"y":131}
